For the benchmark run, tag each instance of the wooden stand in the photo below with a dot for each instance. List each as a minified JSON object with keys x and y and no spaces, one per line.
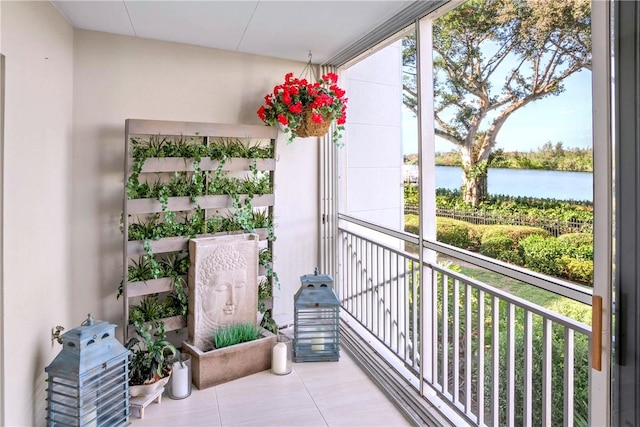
{"x":143,"y":401}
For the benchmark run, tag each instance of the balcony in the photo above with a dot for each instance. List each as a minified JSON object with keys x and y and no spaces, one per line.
{"x":494,"y":358}
{"x":314,"y":394}
{"x":455,"y":352}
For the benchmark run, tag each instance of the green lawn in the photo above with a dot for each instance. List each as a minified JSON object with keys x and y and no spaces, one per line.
{"x":541,"y":297}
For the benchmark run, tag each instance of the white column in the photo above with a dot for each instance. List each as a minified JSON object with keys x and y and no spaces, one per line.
{"x":427,"y":181}
{"x":600,"y":384}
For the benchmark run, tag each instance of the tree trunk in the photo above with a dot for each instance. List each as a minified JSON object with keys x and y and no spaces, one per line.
{"x":474,"y":182}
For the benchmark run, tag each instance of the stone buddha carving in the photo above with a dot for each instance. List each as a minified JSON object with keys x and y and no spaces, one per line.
{"x":222,"y":287}
{"x":223,"y":284}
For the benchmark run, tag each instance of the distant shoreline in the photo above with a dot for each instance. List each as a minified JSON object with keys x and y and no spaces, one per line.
{"x":513,"y":168}
{"x":549,"y":157}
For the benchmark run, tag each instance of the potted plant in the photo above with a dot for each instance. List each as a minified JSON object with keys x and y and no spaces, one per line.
{"x":149,"y":365}
{"x":305,"y":109}
{"x":238,"y":350}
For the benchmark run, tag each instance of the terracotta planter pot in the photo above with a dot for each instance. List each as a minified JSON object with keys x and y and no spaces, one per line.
{"x":210,"y":368}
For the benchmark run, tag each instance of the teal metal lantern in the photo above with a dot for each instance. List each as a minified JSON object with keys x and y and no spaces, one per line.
{"x":316,"y":320}
{"x":88,"y":380}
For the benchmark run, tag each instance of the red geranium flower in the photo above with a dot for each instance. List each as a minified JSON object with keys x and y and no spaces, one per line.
{"x":339,"y":92}
{"x":286,"y":104}
{"x":286,"y":98}
{"x":330,"y":77}
{"x":296,"y":108}
{"x":261,"y":113}
{"x":283,"y":119}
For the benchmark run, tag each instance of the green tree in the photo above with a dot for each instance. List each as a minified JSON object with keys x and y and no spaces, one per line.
{"x":528,"y":46}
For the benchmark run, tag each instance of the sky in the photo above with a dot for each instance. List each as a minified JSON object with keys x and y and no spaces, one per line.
{"x":563,"y":118}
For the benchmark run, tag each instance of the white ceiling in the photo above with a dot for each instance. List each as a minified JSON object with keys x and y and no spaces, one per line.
{"x":280,"y":29}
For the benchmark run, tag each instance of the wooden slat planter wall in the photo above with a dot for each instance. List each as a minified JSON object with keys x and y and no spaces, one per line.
{"x":212,"y":204}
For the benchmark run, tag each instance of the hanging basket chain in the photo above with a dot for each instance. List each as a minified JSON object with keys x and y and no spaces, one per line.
{"x":307,"y":126}
{"x":309,"y":71}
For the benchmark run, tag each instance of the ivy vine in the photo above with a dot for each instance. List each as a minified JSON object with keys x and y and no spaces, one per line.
{"x":193,"y":184}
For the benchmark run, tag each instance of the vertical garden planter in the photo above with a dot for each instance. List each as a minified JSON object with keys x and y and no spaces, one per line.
{"x":161,"y":215}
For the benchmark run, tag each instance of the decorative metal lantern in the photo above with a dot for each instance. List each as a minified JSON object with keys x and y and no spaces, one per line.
{"x":316,"y":320}
{"x":88,"y":380}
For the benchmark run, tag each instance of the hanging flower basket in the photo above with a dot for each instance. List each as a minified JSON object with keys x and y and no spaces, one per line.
{"x":308,"y":127}
{"x":304,"y":109}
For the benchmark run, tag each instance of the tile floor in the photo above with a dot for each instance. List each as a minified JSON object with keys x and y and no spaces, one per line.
{"x":314,"y":394}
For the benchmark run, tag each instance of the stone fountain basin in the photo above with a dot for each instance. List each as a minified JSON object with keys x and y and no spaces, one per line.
{"x":218,"y":366}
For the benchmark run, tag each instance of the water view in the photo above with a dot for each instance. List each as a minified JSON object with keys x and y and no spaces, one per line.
{"x":526,"y":182}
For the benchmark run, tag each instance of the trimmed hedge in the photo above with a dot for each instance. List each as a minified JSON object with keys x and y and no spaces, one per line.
{"x":513,"y":232}
{"x":580,"y":245}
{"x":559,"y":257}
{"x":501,"y":241}
{"x":541,"y":254}
{"x":412,"y":224}
{"x":458,"y":233}
{"x":453,"y":232}
{"x":577,"y":269}
{"x":569,"y":256}
{"x":501,"y":248}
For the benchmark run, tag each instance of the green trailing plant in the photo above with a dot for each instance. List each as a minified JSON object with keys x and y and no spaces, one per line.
{"x":149,"y":309}
{"x":268,"y":322}
{"x":150,"y":355}
{"x":149,"y":227}
{"x":235,"y":334}
{"x":265,"y":259}
{"x":243,"y":213}
{"x":156,"y":268}
{"x":177,"y":266}
{"x":261,"y":218}
{"x":141,"y":270}
{"x":216,"y":182}
{"x":258,"y":150}
{"x":152,"y":310}
{"x":198,"y":179}
{"x":143,"y":229}
{"x":264,"y":290}
{"x":214,"y":224}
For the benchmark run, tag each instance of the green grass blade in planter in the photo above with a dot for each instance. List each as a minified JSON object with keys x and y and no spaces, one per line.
{"x":235,"y":334}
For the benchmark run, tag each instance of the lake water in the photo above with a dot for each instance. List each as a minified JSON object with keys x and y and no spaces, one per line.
{"x":526,"y":182}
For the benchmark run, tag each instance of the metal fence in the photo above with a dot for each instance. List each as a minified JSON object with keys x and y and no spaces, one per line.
{"x":497,"y":359}
{"x":555,"y":226}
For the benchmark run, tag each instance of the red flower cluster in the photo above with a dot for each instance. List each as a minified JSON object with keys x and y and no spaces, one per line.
{"x":285,"y":105}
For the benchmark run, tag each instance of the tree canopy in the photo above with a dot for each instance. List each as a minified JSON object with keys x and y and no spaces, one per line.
{"x":491,"y":58}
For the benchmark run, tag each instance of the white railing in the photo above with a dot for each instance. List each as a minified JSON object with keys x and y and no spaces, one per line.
{"x":495,"y":358}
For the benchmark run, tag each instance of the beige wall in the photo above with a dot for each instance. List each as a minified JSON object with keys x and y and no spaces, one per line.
{"x":118,"y":77}
{"x":38,"y":45}
{"x":63,"y":182}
